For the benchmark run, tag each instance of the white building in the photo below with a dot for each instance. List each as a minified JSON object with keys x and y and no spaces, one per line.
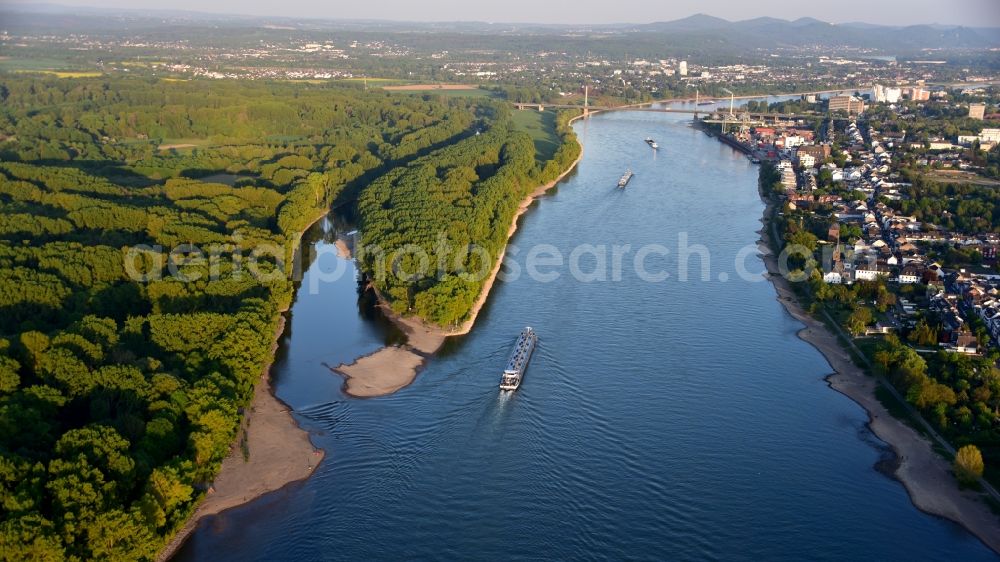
{"x":807,"y":160}
{"x":868,"y":273}
{"x":787,"y":174}
{"x":882,"y":94}
{"x":792,"y":141}
{"x":893,"y":95}
{"x":682,"y":68}
{"x":989,"y":135}
{"x":942,"y":145}
{"x":833,"y":277}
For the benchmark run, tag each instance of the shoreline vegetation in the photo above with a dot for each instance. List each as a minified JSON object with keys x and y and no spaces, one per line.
{"x":924,"y":473}
{"x":271,"y":450}
{"x":282,"y":454}
{"x":394,"y":367}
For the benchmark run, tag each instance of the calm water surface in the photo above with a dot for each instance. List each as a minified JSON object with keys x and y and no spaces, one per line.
{"x":673,"y":420}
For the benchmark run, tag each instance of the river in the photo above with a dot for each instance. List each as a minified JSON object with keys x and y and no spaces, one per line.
{"x":658,"y":420}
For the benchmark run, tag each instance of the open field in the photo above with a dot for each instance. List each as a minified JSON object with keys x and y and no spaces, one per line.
{"x":541,"y":125}
{"x":382,"y":82}
{"x":425,"y":87}
{"x":450,"y":90}
{"x":64,"y":73}
{"x":143,"y":63}
{"x":377,"y":80}
{"x":456,"y":93}
{"x":54,"y":67}
{"x":223,"y":178}
{"x":959,"y":176}
{"x":168,"y":144}
{"x":14,"y":64}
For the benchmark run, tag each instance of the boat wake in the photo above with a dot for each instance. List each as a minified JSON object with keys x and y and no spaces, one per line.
{"x":327,"y":415}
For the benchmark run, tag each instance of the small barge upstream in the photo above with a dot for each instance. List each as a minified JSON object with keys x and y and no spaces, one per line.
{"x":623,"y":181}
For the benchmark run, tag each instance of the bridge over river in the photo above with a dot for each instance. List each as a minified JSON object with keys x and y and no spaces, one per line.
{"x":716,"y":115}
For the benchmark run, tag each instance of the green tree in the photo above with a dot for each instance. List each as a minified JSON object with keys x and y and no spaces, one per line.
{"x":923,"y":334}
{"x":34,"y":343}
{"x":968,"y":465}
{"x":885,"y":299}
{"x":859,"y":320}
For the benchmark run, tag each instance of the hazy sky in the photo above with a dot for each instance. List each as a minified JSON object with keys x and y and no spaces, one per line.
{"x":892,"y":12}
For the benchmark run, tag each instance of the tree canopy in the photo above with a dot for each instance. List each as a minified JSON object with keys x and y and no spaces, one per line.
{"x":432,"y":230}
{"x":126,"y":356}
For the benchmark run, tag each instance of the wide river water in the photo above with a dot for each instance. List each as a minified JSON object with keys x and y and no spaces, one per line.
{"x":662,"y":420}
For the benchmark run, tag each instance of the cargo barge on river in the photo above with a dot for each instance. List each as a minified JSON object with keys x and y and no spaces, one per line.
{"x":623,"y":181}
{"x":518,"y":362}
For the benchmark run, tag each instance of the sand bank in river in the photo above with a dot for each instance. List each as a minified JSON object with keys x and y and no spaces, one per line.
{"x":394,"y":367}
{"x":343,"y":250}
{"x":925,"y":474}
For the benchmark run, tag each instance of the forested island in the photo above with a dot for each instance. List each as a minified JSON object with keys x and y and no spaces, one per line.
{"x":454,"y":208}
{"x":138,"y":309}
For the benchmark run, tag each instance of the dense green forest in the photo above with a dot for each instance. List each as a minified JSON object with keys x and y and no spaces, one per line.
{"x":123,"y":373}
{"x":451,"y":210}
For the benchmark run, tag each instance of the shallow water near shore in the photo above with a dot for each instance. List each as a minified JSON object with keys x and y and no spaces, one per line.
{"x":669,"y":420}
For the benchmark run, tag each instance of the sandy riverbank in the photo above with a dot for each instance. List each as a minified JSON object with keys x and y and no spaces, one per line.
{"x":392,"y":368}
{"x":925,"y":474}
{"x":280,"y":453}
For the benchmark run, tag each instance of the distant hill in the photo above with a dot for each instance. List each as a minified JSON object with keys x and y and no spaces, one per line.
{"x":764,"y":31}
{"x":807,"y":21}
{"x":697,"y":34}
{"x":697,"y":22}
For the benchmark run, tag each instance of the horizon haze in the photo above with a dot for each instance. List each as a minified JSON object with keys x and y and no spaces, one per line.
{"x":971,"y":13}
